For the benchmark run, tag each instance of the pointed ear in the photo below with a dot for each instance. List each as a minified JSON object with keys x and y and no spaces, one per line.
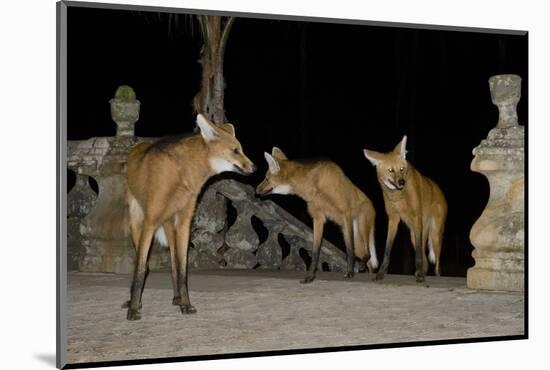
{"x":208,"y":130}
{"x":229,"y":128}
{"x":401,"y":148}
{"x":278,"y":153}
{"x":272,"y":162}
{"x":374,"y":157}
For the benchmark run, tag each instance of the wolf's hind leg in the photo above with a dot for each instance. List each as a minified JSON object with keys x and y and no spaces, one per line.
{"x":360,"y":245}
{"x":347,"y":230}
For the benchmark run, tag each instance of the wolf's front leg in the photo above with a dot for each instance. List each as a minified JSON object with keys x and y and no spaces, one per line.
{"x":318,"y":226}
{"x":393,"y":222}
{"x":416,"y":238}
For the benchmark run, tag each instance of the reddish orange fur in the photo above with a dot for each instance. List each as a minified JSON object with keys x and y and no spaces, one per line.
{"x":163,"y":183}
{"x":329,"y":195}
{"x":420,"y":204}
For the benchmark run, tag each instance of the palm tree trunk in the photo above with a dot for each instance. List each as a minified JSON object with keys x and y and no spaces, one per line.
{"x":210,"y":98}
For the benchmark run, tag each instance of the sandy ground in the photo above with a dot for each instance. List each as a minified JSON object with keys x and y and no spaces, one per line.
{"x":244,"y":311}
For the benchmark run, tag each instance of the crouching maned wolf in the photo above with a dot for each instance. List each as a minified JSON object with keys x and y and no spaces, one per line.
{"x":329,"y":195}
{"x":164,"y":180}
{"x":414,"y":199}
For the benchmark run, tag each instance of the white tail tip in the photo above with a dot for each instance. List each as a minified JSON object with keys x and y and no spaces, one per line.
{"x":372,"y":250}
{"x":431,"y":254}
{"x":160,"y":236}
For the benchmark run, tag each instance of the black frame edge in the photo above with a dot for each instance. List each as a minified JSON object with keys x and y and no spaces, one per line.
{"x":61,"y":186}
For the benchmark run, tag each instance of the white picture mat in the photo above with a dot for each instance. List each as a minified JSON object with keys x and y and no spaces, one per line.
{"x":28,"y":83}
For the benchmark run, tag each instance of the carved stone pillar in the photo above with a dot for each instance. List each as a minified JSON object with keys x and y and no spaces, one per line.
{"x":103,"y":230}
{"x":498,"y":234}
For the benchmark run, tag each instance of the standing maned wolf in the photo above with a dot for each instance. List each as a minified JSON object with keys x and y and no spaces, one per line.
{"x":163,"y":182}
{"x":414,"y":199}
{"x":329,"y":195}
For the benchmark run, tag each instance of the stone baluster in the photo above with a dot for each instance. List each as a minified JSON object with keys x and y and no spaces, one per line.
{"x":80,"y":201}
{"x":208,"y":234}
{"x":498,"y":234}
{"x":241,"y":238}
{"x":269,"y":253}
{"x":242,"y":241}
{"x":294,"y":261}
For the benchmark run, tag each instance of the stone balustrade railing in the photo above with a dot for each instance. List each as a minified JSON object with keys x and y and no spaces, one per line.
{"x":98,"y":237}
{"x":99,"y":240}
{"x":244,"y":248}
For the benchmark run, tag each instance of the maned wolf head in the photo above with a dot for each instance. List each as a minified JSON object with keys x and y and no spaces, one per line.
{"x":392,"y":167}
{"x":225,"y":153}
{"x":276,"y":178}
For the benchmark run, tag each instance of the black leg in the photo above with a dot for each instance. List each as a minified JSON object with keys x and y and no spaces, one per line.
{"x":140,"y":274}
{"x":318,"y":226}
{"x":419,"y":258}
{"x":182,"y":249}
{"x":392,"y":230}
{"x":350,"y":252}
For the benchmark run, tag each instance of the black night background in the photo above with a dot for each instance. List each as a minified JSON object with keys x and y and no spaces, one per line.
{"x":314,"y":89}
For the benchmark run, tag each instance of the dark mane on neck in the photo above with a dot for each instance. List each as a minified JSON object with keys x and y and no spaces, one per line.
{"x":313,"y":160}
{"x":167,"y":142}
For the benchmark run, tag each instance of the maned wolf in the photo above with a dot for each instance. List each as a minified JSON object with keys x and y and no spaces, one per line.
{"x":329,"y":195}
{"x":414,"y":199}
{"x":164,"y":180}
